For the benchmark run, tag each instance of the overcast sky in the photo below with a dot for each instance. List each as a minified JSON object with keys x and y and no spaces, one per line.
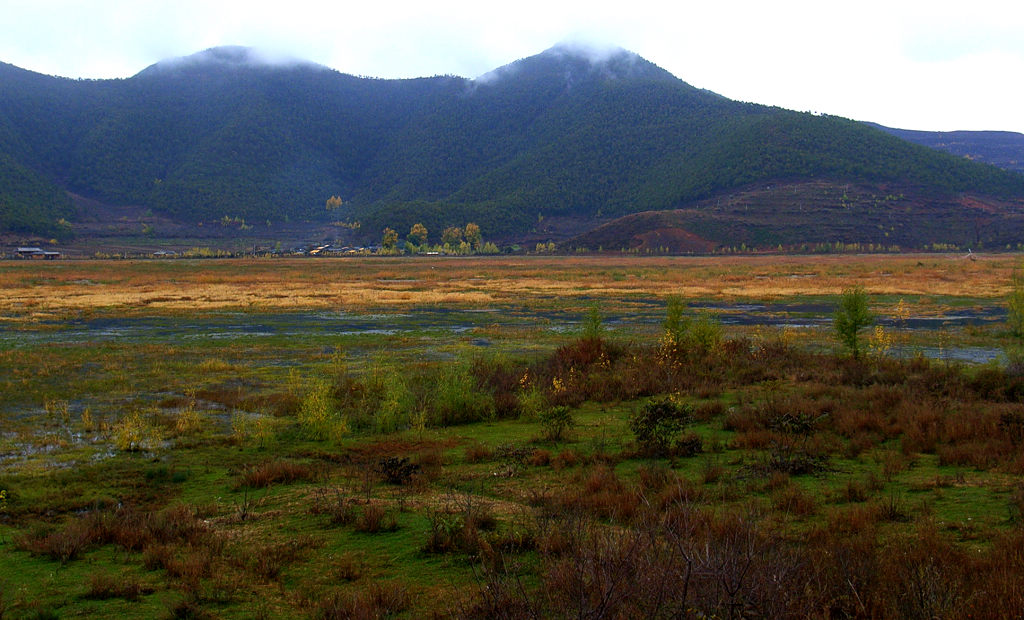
{"x":933,"y":65}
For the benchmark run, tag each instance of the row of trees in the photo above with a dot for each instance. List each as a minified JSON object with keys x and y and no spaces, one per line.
{"x":454,"y":240}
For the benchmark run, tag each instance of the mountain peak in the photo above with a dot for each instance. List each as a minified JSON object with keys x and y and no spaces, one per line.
{"x":574,"y":60}
{"x":230,"y":57}
{"x":594,"y":53}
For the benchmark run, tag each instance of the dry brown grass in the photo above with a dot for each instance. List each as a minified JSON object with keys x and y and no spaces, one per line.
{"x":33,"y":288}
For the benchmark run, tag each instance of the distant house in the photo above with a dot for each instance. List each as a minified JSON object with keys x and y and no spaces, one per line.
{"x":38,"y":254}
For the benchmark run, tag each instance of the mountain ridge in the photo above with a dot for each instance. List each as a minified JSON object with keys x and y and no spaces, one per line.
{"x":573,"y":133}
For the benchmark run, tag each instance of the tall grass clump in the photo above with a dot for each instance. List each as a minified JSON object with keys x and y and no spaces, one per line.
{"x":591,"y":327}
{"x":134,"y":433}
{"x":318,"y":416}
{"x":456,"y":398}
{"x":389,"y":402}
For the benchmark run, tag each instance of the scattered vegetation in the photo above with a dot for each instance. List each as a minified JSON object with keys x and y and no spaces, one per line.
{"x":678,"y":471}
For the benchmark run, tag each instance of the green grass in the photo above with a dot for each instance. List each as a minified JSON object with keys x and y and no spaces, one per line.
{"x":68,"y":471}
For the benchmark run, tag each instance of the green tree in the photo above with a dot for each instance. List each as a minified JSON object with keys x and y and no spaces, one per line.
{"x":418,"y":234}
{"x":850,"y":317}
{"x":390,"y":239}
{"x":451,"y":236}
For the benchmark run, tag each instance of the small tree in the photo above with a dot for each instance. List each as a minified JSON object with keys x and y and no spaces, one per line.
{"x":334,"y":202}
{"x":850,"y":317}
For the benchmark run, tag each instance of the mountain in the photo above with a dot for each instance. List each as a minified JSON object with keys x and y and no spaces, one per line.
{"x":1004,"y":149}
{"x":571,"y":135}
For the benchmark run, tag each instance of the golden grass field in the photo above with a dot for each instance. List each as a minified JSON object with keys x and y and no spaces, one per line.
{"x":365,"y":283}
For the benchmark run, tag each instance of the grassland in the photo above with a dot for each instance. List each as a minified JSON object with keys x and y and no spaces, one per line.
{"x":145,"y":286}
{"x":468,"y":444}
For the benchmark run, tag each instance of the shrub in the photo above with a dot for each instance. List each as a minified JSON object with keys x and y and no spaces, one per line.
{"x":658,"y":423}
{"x":556,"y":420}
{"x":397,"y":469}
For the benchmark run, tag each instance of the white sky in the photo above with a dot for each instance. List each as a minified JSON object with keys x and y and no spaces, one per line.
{"x":935,"y":65}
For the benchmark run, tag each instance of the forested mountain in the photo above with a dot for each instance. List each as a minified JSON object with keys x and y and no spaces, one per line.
{"x":228,"y":132}
{"x":1004,"y":149}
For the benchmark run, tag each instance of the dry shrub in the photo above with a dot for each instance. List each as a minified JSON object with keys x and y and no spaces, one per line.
{"x":339,"y":508}
{"x":430,"y":461}
{"x":851,"y":422}
{"x":711,"y":470}
{"x":268,"y":561}
{"x":565,"y":458}
{"x":602,"y":495}
{"x":854,"y":491}
{"x":861,"y":442}
{"x":348,"y":566}
{"x":710,"y":410}
{"x":190,"y":565}
{"x":679,"y":491}
{"x":278,"y":404}
{"x":540,"y":458}
{"x":893,"y":463}
{"x":275,"y":472}
{"x":156,"y":556}
{"x":742,"y":419}
{"x":795,"y":500}
{"x":653,"y":477}
{"x":375,"y":519}
{"x":776,"y":480}
{"x":478,"y":453}
{"x":102,"y":586}
{"x":378,"y":600}
{"x":755,"y":439}
{"x":982,"y":454}
{"x":127,"y":528}
{"x":853,"y":519}
{"x":60,"y":545}
{"x":926,"y":577}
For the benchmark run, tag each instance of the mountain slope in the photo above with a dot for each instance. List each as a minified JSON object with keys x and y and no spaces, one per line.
{"x":562,"y":134}
{"x":1004,"y":149}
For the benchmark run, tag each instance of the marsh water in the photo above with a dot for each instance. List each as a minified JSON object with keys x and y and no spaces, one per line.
{"x":641,"y":316}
